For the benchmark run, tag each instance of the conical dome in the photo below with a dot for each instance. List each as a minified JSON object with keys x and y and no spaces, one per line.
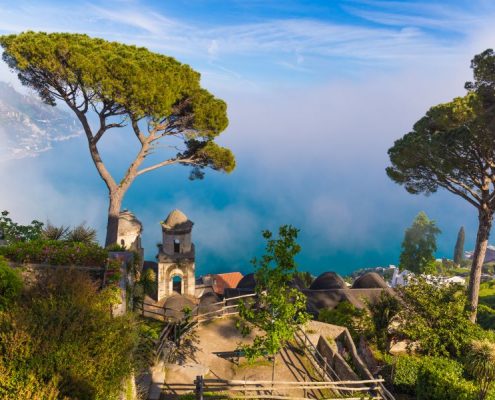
{"x":177,"y":220}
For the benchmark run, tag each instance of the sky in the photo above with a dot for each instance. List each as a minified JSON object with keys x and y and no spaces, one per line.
{"x":317,"y":91}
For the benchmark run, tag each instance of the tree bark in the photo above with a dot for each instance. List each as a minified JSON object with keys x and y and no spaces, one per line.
{"x":113,"y":217}
{"x":485,"y":218}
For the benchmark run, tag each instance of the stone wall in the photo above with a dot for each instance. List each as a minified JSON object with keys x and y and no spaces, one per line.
{"x":335,"y":361}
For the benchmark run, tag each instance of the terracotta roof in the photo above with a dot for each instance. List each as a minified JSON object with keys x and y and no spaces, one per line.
{"x":225,"y":281}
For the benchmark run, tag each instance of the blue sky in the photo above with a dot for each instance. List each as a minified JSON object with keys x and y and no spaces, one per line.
{"x":317,"y":93}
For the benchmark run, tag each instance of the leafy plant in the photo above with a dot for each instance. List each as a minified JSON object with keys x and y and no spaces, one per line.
{"x":55,"y":253}
{"x":82,"y":234}
{"x":52,"y":232}
{"x":62,"y":335}
{"x":278,"y":310}
{"x":10,"y":285}
{"x":12,"y":232}
{"x":435,"y":319}
{"x":480,"y":363}
{"x":442,"y":379}
{"x":346,"y":314}
{"x":405,"y":373}
{"x":382,"y":314}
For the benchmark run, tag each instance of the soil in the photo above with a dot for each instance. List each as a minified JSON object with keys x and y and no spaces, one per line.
{"x":211,"y":349}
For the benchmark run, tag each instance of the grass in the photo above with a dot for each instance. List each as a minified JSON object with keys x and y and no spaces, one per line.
{"x":487,"y":294}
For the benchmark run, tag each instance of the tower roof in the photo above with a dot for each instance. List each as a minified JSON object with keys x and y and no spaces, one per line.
{"x":129,"y":224}
{"x":177,"y":220}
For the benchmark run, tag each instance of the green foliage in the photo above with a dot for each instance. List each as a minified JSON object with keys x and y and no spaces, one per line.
{"x":55,"y":253}
{"x":459,"y":247}
{"x":62,"y":336}
{"x":486,"y":317}
{"x":450,"y":148}
{"x":382,"y":314}
{"x":10,"y":285}
{"x":52,"y":232}
{"x":487,"y":293}
{"x":419,"y":245}
{"x":305,"y":277}
{"x":278,"y":310}
{"x":81,"y":234}
{"x":118,"y":79}
{"x":13,"y":232}
{"x":435,"y":317}
{"x":346,"y":314}
{"x":442,"y":379}
{"x":480,"y":363}
{"x":405,"y":373}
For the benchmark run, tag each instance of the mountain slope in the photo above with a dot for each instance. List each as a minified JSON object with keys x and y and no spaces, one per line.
{"x":28,"y":126}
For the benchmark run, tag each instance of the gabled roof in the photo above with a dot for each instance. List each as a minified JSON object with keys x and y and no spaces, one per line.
{"x":225,"y":281}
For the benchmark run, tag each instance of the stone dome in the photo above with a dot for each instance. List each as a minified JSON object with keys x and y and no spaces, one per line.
{"x":328,"y":280}
{"x":129,"y":224}
{"x":247,"y":282}
{"x":370,"y":280}
{"x":177,"y":220}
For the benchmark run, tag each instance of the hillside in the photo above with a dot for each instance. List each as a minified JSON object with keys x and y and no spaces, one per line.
{"x":28,"y":126}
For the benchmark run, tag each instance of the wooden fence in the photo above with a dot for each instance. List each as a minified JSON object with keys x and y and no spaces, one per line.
{"x":244,"y":389}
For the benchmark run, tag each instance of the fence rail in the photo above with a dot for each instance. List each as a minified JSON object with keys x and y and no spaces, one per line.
{"x":251,"y":389}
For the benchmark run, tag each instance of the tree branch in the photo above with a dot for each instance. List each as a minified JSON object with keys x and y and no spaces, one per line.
{"x":166,"y":162}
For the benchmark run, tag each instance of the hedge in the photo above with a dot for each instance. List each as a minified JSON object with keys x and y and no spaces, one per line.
{"x":54,"y":252}
{"x":441,"y":379}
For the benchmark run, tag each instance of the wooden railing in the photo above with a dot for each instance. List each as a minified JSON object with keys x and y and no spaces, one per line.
{"x":243,"y":389}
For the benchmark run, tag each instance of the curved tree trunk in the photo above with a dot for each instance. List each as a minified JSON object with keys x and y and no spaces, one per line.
{"x":485,"y":218}
{"x":113,"y":217}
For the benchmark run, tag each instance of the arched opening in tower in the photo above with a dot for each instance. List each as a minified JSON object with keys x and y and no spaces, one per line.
{"x":177,"y":284}
{"x":176,"y":246}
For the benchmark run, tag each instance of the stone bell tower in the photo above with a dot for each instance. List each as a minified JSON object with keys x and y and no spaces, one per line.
{"x":176,"y":269}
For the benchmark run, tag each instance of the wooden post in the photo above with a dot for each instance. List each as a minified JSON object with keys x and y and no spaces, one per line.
{"x":199,"y":387}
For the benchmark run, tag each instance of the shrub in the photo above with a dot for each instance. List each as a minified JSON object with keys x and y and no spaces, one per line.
{"x":52,"y":232}
{"x":10,"y":284}
{"x":82,"y":234}
{"x":55,"y":252}
{"x":346,"y":314}
{"x":63,"y":337}
{"x":382,"y":314}
{"x":480,"y":363}
{"x":441,"y":379}
{"x":405,"y":373}
{"x":435,"y":317}
{"x":13,"y":232}
{"x":486,"y":317}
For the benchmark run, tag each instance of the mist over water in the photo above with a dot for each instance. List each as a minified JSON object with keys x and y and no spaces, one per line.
{"x":311,"y":118}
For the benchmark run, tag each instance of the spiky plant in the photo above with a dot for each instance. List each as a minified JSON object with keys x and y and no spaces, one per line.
{"x":82,"y":233}
{"x":52,"y":232}
{"x":480,"y":363}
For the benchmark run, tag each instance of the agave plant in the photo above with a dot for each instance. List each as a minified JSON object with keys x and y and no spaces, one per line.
{"x":52,"y":232}
{"x":480,"y":363}
{"x":82,"y":233}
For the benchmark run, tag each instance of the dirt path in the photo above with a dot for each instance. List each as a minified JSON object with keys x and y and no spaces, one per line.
{"x":208,"y":355}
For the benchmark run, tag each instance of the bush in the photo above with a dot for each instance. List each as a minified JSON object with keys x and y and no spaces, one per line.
{"x":55,"y":252}
{"x":62,"y":337}
{"x":441,"y":379}
{"x":13,"y":232}
{"x":436,"y":319}
{"x":10,"y":284}
{"x":405,"y":373}
{"x":346,"y":314}
{"x":486,"y":317}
